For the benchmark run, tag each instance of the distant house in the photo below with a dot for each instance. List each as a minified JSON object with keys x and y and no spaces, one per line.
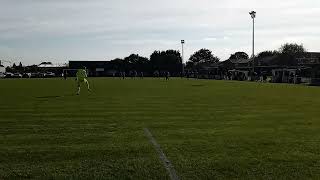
{"x":310,"y":59}
{"x":306,"y":66}
{"x":95,"y":68}
{"x":50,"y":67}
{"x":243,"y":63}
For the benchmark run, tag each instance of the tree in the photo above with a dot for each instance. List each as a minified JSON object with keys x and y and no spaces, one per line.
{"x":142,"y":64}
{"x":9,"y":69}
{"x":239,"y":55}
{"x":189,"y":65}
{"x":292,"y":49}
{"x":117,"y":64}
{"x":203,"y":56}
{"x":20,"y":68}
{"x":169,"y":60}
{"x":289,"y":53}
{"x":264,"y":54}
{"x":136,"y":62}
{"x":32,"y":68}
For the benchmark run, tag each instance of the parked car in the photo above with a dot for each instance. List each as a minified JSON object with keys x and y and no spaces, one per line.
{"x":49,"y":74}
{"x":8,"y":75}
{"x":17,"y":75}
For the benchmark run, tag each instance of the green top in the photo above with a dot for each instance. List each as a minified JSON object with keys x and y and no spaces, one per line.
{"x":81,"y":74}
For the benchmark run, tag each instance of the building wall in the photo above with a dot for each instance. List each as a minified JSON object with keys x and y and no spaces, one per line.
{"x":95,"y":68}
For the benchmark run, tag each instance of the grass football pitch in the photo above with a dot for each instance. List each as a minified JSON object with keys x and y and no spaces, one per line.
{"x":207,"y":129}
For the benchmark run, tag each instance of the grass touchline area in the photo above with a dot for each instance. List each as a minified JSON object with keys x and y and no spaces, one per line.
{"x":207,"y":129}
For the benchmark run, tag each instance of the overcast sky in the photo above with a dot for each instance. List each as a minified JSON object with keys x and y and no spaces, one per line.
{"x":62,"y":30}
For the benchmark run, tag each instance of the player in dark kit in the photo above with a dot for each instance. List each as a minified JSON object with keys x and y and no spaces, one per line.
{"x":167,"y":75}
{"x":65,"y":74}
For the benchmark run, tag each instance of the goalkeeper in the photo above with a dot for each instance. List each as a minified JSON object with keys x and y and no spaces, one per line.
{"x":81,"y":78}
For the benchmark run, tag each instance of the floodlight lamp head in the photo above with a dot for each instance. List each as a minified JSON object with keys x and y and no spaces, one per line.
{"x":182,"y":41}
{"x":253,"y":14}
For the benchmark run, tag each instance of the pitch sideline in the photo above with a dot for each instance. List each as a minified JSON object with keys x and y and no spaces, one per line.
{"x":167,"y":164}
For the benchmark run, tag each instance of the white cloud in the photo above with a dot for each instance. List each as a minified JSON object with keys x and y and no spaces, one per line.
{"x":97,"y":29}
{"x":210,"y":39}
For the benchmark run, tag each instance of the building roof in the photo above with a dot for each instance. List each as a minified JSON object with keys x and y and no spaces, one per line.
{"x":238,"y":61}
{"x":312,"y":55}
{"x":89,"y":64}
{"x":50,"y":65}
{"x":234,"y":61}
{"x":243,"y":61}
{"x":310,"y":58}
{"x":267,"y":60}
{"x":208,"y":66}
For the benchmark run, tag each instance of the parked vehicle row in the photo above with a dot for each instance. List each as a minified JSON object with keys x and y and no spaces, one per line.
{"x":27,"y":75}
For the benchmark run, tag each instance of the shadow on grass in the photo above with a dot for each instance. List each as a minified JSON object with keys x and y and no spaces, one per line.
{"x":54,"y":97}
{"x":197,"y":85}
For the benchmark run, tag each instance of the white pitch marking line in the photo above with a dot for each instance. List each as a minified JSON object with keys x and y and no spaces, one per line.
{"x":167,"y":164}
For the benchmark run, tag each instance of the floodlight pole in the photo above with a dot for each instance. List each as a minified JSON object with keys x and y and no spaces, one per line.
{"x":253,"y":58}
{"x":253,"y":16}
{"x":182,"y":57}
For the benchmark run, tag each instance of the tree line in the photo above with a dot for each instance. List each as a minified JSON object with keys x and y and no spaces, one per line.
{"x":170,"y":60}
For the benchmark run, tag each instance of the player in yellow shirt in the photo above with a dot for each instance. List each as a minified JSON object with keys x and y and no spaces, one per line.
{"x":81,"y":78}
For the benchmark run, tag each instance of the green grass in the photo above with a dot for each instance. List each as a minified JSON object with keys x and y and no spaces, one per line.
{"x":208,"y":129}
